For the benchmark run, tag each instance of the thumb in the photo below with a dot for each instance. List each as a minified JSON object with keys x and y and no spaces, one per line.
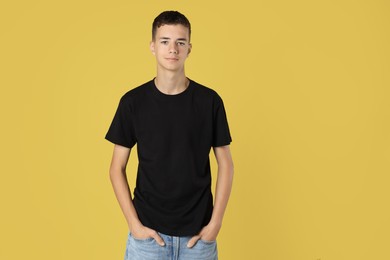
{"x":192,"y":241}
{"x":158,"y":239}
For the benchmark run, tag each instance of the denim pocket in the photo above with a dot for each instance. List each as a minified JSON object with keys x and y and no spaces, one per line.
{"x":208,"y":242}
{"x":148,"y":239}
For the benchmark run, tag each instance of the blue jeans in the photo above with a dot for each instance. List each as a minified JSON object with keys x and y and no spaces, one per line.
{"x":175,"y":248}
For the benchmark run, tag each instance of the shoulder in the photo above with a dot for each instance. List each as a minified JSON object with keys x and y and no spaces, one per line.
{"x":206,"y":92}
{"x":135,"y":93}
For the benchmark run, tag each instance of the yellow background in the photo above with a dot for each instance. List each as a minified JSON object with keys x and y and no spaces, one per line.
{"x":306,"y":89}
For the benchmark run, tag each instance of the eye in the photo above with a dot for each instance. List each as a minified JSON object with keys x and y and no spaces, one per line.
{"x":164,"y":42}
{"x":181,"y":43}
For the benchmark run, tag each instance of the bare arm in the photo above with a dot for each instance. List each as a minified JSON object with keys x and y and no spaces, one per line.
{"x":120,"y":185}
{"x":121,"y":188}
{"x":224,"y":182}
{"x":222,"y":193}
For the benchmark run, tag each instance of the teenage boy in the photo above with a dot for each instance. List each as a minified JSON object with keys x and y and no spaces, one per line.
{"x":174,"y":121}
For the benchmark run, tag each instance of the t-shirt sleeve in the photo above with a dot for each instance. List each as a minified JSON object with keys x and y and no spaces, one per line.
{"x":221,"y":132}
{"x":121,"y":130}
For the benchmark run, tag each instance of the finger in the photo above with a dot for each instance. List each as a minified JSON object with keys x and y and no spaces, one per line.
{"x":159,"y":239}
{"x":192,"y":241}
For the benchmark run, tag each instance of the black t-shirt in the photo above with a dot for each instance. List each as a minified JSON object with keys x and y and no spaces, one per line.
{"x":174,"y":136}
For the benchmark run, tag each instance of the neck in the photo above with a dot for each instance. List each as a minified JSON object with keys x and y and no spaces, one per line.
{"x":171,"y":82}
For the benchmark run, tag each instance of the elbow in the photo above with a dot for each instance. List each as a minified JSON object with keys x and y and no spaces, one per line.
{"x":112,"y":174}
{"x":227,"y":166}
{"x":231,"y":169}
{"x":116,"y":171}
{"x":230,"y":164}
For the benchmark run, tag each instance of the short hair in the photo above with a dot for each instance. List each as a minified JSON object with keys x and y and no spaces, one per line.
{"x":170,"y":18}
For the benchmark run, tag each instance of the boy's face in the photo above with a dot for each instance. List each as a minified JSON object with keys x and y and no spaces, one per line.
{"x":171,"y":46}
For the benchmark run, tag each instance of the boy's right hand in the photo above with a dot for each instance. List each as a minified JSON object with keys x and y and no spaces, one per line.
{"x":142,"y":232}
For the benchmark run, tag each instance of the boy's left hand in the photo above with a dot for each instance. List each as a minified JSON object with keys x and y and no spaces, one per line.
{"x":208,"y":233}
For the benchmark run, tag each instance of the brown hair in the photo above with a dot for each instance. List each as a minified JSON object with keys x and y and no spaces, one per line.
{"x":170,"y":17}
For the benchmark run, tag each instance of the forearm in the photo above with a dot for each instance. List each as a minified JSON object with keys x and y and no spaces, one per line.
{"x":222,"y":192}
{"x":122,"y":192}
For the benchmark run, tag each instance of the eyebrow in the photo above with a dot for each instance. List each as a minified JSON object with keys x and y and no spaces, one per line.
{"x":167,"y":38}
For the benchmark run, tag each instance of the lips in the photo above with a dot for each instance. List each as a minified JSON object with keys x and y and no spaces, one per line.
{"x":172,"y":59}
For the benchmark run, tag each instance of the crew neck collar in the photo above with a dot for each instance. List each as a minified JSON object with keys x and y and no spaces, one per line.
{"x":157,"y":92}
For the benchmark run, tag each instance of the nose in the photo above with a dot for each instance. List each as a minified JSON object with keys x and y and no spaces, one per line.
{"x":173,"y":48}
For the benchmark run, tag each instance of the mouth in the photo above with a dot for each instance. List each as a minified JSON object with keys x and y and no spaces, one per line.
{"x":172,"y":59}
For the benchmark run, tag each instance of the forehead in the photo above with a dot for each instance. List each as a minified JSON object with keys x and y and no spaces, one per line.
{"x":172,"y":31}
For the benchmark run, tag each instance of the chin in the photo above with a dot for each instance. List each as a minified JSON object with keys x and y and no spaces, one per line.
{"x":172,"y":68}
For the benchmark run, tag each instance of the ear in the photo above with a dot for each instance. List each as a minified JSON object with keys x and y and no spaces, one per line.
{"x":189,"y":49}
{"x":152,"y":47}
